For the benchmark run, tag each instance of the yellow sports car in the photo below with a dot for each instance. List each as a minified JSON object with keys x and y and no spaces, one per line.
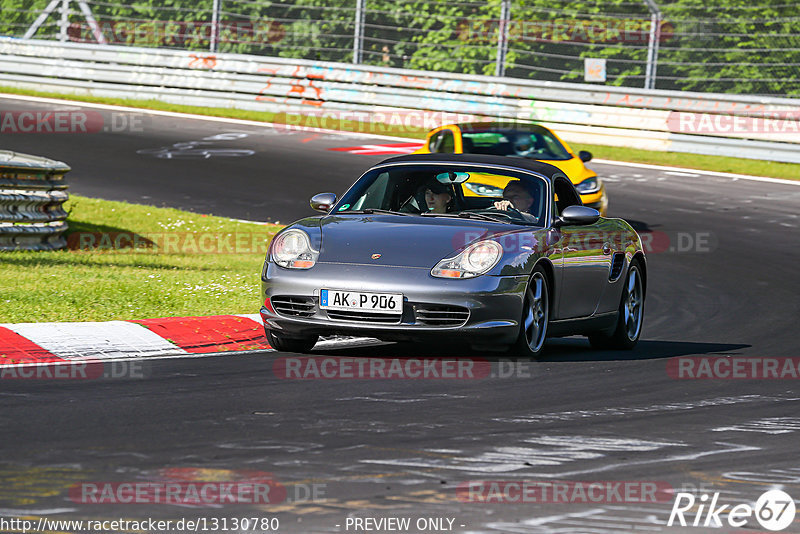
{"x":518,"y":140}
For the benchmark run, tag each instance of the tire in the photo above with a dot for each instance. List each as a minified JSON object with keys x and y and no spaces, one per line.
{"x":630,"y":315}
{"x":282,"y":343}
{"x":535,"y":316}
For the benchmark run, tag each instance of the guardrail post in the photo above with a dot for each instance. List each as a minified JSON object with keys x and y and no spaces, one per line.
{"x":652,"y":44}
{"x":214,"y":25}
{"x":31,"y":31}
{"x":502,"y":38}
{"x":96,"y":31}
{"x":63,"y":24}
{"x":358,"y":32}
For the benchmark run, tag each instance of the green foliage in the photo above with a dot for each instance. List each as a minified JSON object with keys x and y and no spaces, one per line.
{"x":732,"y":46}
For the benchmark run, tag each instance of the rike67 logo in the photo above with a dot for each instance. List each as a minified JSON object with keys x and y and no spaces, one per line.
{"x":774,"y":510}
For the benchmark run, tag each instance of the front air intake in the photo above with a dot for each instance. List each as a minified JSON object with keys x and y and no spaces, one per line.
{"x":294,"y":306}
{"x":440,"y":315}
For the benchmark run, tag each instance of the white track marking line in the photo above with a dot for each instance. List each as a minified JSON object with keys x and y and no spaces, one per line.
{"x":365,"y":135}
{"x":13,"y":512}
{"x":698,"y":171}
{"x":685,"y":174}
{"x":255,"y":317}
{"x":210,"y":118}
{"x":734,"y":448}
{"x":260,"y":223}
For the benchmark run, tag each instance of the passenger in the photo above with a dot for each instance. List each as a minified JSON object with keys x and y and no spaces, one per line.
{"x":438,"y":197}
{"x":517,"y":196}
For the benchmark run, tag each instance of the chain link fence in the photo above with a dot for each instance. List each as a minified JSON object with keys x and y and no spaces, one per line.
{"x":731,"y":47}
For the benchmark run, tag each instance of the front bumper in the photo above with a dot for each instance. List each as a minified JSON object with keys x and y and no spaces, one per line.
{"x":494,"y":303}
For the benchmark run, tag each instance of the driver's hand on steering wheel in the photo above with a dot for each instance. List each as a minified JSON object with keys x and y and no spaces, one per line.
{"x":503,"y":205}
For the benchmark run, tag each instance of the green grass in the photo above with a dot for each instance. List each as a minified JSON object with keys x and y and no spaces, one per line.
{"x":754,"y":167}
{"x":678,"y":159}
{"x":101,"y":284}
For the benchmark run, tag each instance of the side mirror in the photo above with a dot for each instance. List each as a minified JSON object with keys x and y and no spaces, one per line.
{"x":585,"y":156}
{"x":577,"y":215}
{"x":323,"y":202}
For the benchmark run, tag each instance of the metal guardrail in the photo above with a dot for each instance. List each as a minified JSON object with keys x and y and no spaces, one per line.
{"x":32,"y":192}
{"x":581,"y":113}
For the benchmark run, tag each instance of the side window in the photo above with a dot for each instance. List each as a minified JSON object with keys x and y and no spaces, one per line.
{"x":432,"y":144}
{"x":442,"y":142}
{"x":565,"y":194}
{"x":447,"y":143}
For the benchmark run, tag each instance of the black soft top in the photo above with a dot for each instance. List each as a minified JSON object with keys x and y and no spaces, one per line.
{"x":506,"y":161}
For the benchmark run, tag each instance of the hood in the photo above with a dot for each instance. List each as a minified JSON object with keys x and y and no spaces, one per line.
{"x":407,"y":241}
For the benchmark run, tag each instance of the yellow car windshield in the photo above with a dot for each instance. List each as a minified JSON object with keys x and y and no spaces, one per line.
{"x":537,"y":143}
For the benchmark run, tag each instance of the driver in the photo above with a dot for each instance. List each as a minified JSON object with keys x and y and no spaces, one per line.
{"x":523,"y":145}
{"x":516,"y":195}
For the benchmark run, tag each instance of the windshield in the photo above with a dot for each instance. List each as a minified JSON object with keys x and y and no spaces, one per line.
{"x":450,"y":191}
{"x":534,"y":142}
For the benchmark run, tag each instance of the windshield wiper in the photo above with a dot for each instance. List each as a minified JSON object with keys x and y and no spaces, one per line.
{"x":464,"y":215}
{"x":370,"y":211}
{"x":482,"y":216}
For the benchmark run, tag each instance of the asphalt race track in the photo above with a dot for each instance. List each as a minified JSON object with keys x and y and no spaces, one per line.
{"x":722,"y":282}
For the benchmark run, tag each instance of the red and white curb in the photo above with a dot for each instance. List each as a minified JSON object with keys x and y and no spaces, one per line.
{"x":36,"y":343}
{"x":26,"y":344}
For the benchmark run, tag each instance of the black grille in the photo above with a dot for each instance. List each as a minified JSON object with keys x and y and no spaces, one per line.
{"x":439,"y":315}
{"x":616,"y":266}
{"x":360,"y":316}
{"x":294,"y":306}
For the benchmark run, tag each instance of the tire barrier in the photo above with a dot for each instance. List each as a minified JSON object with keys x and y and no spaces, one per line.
{"x":32,"y":194}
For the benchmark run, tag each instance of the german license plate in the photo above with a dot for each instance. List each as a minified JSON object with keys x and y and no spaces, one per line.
{"x":334,"y":299}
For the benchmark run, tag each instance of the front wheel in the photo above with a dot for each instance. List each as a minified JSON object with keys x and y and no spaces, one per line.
{"x":283,"y":343}
{"x":629,"y":317}
{"x":535,"y":316}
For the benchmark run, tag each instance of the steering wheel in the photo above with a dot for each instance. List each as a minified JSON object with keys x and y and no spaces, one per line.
{"x":511,"y":212}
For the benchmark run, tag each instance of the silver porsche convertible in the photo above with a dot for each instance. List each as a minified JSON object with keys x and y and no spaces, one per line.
{"x":497,"y":252}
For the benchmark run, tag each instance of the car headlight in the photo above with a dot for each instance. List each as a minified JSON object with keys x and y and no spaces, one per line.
{"x":484,"y":190}
{"x":475,"y":260}
{"x":292,"y":249}
{"x":590,"y":185}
